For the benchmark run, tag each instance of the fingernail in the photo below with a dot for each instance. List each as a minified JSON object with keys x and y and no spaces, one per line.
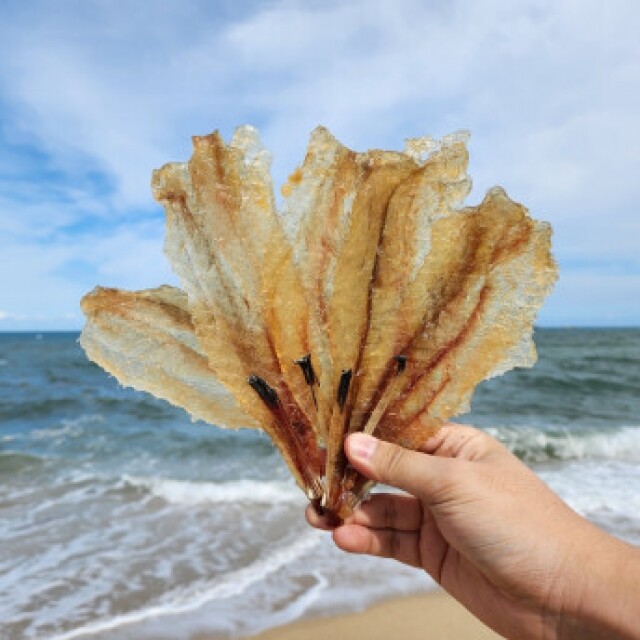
{"x":362,"y":446}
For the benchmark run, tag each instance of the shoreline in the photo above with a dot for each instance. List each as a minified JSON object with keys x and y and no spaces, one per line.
{"x":433,"y":614}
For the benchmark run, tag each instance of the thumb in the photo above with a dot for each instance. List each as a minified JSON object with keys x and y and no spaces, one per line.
{"x":418,"y":473}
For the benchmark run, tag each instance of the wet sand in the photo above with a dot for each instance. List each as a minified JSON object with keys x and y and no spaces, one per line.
{"x":433,"y":615}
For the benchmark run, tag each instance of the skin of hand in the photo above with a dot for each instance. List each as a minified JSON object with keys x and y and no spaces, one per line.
{"x":494,"y":536}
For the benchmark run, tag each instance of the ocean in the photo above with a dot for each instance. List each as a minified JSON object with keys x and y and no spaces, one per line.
{"x":120,"y":518}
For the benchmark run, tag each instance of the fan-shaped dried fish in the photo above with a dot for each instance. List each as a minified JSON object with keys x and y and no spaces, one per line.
{"x":370,"y":301}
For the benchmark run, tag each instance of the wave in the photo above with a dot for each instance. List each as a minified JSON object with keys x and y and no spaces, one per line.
{"x":532,"y":444}
{"x":186,"y":600}
{"x":12,"y":462}
{"x":192,"y":493}
{"x":36,"y":408}
{"x":70,"y":429}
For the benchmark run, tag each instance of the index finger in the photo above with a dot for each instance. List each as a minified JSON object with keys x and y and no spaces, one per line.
{"x":461,"y":441}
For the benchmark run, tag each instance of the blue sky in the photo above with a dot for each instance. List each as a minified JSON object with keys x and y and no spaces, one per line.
{"x":94,"y":95}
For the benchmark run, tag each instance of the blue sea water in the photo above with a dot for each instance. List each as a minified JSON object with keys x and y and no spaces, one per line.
{"x":120,"y":518}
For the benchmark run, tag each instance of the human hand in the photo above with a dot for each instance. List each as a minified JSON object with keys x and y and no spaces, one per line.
{"x":494,"y":536}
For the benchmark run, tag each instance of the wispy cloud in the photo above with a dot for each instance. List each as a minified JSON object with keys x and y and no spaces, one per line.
{"x":95,"y":95}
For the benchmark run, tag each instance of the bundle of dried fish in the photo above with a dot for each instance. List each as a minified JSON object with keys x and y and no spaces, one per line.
{"x":370,"y":301}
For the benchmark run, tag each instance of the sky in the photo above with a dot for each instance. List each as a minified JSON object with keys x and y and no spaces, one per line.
{"x":96,"y":94}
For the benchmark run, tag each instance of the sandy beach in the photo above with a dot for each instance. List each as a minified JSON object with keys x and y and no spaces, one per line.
{"x":431,"y":615}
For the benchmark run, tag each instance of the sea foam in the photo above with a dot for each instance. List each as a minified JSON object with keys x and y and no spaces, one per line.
{"x":193,"y":493}
{"x":187,"y":599}
{"x":540,"y":445}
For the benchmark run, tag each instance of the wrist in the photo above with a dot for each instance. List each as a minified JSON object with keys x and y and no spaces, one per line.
{"x":598,"y":595}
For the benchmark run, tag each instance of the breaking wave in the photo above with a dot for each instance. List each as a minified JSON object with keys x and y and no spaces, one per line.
{"x":540,"y":445}
{"x":193,"y":493}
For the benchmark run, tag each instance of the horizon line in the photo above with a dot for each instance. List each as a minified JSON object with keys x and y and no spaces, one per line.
{"x":554,"y":327}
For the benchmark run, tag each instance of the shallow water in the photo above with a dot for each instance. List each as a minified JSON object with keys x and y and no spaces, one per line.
{"x":119,"y":518}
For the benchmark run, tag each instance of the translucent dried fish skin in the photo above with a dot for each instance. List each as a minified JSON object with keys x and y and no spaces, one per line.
{"x":370,"y":301}
{"x":146,"y":340}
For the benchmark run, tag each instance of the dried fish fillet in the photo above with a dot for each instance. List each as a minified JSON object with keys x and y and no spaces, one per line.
{"x":370,"y":301}
{"x":146,"y":340}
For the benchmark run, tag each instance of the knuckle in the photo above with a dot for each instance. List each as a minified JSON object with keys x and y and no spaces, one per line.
{"x":392,"y":461}
{"x":389,"y":513}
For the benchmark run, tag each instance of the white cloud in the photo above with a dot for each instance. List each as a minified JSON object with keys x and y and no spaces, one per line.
{"x":550,"y":87}
{"x":550,"y":90}
{"x":49,"y":283}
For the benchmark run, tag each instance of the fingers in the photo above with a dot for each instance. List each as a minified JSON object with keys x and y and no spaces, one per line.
{"x":461,"y":441}
{"x":387,"y":543}
{"x":389,"y":511}
{"x":315,"y":519}
{"x":381,"y":511}
{"x":417,"y":473}
{"x":404,"y":514}
{"x":392,"y":526}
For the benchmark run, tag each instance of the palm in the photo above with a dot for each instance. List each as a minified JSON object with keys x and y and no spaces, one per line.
{"x":467,"y":583}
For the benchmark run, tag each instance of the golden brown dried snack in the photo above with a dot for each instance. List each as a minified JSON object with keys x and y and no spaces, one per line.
{"x":369,"y":302}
